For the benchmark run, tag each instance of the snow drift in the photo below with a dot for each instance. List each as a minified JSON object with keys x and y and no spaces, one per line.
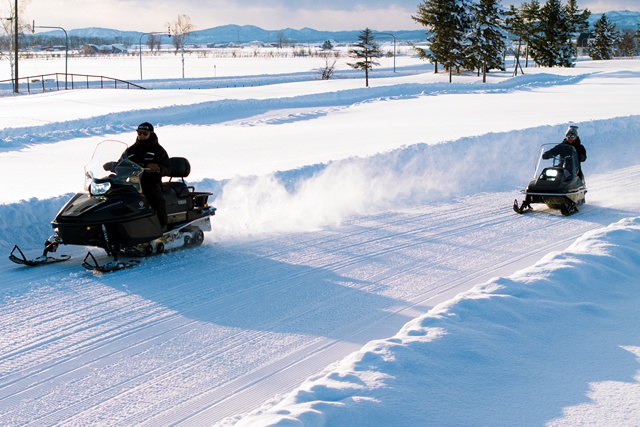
{"x":409,"y":176}
{"x":513,"y":351}
{"x":315,"y":196}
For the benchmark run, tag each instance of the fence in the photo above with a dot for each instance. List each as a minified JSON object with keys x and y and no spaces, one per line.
{"x":56,"y":81}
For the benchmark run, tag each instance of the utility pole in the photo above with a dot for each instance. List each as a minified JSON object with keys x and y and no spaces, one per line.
{"x":15,"y":22}
{"x":140,"y":45}
{"x":66,"y":48}
{"x":394,"y":48}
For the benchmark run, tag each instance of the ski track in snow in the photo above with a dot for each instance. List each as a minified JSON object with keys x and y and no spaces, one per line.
{"x":256,"y":313}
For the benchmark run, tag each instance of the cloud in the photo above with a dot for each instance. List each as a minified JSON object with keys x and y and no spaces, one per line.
{"x":336,"y":5}
{"x":145,"y":15}
{"x":327,"y":15}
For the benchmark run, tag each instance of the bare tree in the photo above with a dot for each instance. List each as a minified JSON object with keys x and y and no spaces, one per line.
{"x":7,"y":29}
{"x":326,"y":72}
{"x":127,"y":42}
{"x":151,"y":41}
{"x":282,"y":40}
{"x":180,"y":30}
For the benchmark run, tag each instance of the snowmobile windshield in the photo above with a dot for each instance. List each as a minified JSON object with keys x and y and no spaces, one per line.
{"x":554,"y":159}
{"x":108,"y":168}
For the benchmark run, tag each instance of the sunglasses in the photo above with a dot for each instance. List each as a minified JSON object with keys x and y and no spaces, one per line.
{"x":143,"y":132}
{"x":571,"y":136}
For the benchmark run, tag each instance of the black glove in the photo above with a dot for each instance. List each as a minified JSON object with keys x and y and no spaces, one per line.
{"x":109,"y":166}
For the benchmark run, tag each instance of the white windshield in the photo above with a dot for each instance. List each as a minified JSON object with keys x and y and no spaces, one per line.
{"x":557,"y":156}
{"x":107,"y":163}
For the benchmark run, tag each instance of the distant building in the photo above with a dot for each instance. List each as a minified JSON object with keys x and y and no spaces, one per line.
{"x":92,"y":49}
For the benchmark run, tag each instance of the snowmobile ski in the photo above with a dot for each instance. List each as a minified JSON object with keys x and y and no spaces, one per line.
{"x":90,"y":263}
{"x":41,"y":260}
{"x":523,"y":208}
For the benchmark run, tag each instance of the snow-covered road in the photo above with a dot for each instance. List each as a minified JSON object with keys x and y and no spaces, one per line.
{"x":200,"y":335}
{"x":303,"y":266}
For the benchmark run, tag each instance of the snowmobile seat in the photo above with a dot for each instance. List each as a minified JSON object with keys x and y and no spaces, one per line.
{"x":180,"y":167}
{"x":176,"y":193}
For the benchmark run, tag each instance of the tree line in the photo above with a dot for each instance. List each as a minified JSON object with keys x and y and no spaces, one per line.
{"x":463,"y":34}
{"x":473,"y":35}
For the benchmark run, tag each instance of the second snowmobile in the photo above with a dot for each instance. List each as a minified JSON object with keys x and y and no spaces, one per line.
{"x":114,"y":215}
{"x":557,"y":181}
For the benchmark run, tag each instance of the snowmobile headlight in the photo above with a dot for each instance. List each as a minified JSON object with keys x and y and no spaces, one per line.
{"x":97,"y":189}
{"x":552,"y":172}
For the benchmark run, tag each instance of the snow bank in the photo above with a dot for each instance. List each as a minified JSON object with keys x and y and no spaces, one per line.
{"x":219,"y":111}
{"x":317,"y":196}
{"x":322,"y":195}
{"x":28,"y":223}
{"x":557,"y":343}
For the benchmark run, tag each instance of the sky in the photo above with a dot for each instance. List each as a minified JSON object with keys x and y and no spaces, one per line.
{"x":328,"y":15}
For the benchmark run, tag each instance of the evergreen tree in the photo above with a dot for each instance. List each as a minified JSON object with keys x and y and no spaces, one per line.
{"x":327,"y":45}
{"x":605,"y":40}
{"x":430,"y":13}
{"x":487,"y":38}
{"x":365,"y":49}
{"x":514,"y":22}
{"x":551,"y":46}
{"x":576,"y":18}
{"x":530,"y":13}
{"x":448,"y":24}
{"x":627,"y":46}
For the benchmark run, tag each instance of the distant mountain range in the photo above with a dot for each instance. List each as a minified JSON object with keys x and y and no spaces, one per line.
{"x":243,"y":34}
{"x":622,"y":18}
{"x":249,"y":33}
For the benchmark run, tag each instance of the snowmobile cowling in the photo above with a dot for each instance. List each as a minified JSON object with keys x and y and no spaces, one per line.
{"x":557,"y":182}
{"x":113,"y":213}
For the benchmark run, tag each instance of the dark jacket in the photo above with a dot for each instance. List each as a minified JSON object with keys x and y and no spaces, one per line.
{"x":143,"y":153}
{"x":580,"y":151}
{"x":149,"y":151}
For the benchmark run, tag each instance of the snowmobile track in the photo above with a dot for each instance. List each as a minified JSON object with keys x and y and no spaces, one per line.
{"x":265,"y":314}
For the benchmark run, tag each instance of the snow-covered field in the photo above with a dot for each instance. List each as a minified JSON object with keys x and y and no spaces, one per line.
{"x":364,"y":268}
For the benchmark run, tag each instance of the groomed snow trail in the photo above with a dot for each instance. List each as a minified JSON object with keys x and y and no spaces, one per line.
{"x":279,"y":291}
{"x":197,"y":336}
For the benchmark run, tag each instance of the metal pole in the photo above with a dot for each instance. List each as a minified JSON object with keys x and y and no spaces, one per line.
{"x":15,"y":21}
{"x":66,"y":57}
{"x":140,"y":46}
{"x":66,"y":48}
{"x":394,"y":48}
{"x":394,"y":51}
{"x":140,"y":54}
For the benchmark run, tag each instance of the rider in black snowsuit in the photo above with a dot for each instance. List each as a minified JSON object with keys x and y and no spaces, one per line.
{"x":572,"y":139}
{"x":149,"y":154}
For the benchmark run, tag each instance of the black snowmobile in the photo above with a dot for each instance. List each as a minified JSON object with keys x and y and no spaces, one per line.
{"x":114,"y":215}
{"x":557,"y":182}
